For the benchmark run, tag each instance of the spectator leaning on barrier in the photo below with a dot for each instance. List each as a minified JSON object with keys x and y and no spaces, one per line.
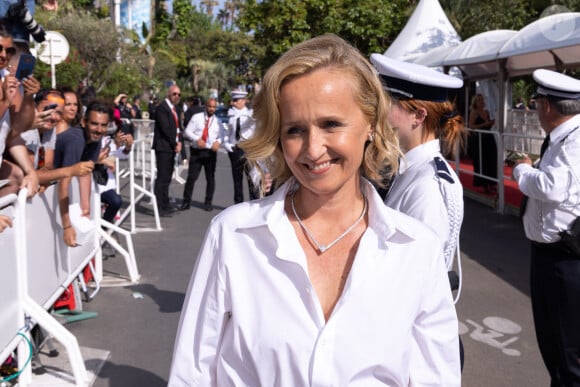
{"x":80,"y":144}
{"x":71,"y":114}
{"x":552,"y":206}
{"x":16,"y":115}
{"x":41,"y":140}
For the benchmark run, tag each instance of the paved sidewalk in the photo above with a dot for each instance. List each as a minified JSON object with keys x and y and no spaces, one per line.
{"x":137,"y":324}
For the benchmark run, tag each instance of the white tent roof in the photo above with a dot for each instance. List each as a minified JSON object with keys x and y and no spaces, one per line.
{"x":426,"y":29}
{"x":552,"y":42}
{"x":476,"y":56}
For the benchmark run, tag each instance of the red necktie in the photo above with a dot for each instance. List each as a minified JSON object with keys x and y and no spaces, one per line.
{"x":40,"y":163}
{"x":175,"y":117}
{"x":205,"y":133}
{"x":177,"y":134}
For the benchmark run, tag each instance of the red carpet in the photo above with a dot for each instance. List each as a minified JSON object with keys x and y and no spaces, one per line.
{"x":513,"y":196}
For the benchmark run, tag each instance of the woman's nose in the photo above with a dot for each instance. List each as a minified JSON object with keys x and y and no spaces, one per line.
{"x":315,"y":145}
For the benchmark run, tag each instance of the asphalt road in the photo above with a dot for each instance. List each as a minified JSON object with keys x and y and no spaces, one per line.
{"x":137,"y":324}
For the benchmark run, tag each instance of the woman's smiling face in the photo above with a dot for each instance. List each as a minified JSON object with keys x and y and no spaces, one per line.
{"x":323,"y":130}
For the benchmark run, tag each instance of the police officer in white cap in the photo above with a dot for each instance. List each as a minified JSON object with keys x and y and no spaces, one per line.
{"x":425,"y":186}
{"x":241,"y":126}
{"x":552,"y":191}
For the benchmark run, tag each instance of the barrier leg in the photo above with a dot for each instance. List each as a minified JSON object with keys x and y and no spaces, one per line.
{"x":128,"y":254}
{"x":67,"y":339}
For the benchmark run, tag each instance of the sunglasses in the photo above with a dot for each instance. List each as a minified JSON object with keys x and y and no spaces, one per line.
{"x":177,"y":94}
{"x":8,"y":50}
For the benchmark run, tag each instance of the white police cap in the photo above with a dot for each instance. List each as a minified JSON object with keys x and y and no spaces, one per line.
{"x":551,"y":83}
{"x":238,"y":94}
{"x":410,"y":80}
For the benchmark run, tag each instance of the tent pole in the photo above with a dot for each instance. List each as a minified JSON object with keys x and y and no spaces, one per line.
{"x":502,"y":82}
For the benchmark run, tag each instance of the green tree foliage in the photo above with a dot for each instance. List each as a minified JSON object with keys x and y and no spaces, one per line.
{"x":68,"y":73}
{"x":277,"y":25}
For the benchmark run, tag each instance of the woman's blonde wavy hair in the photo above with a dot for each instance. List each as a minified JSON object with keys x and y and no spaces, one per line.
{"x":326,"y":51}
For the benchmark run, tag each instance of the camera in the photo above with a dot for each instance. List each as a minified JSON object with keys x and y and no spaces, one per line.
{"x":19,"y":12}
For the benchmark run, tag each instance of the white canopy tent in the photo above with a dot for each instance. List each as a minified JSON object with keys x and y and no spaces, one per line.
{"x":552,"y":42}
{"x":427,"y":28}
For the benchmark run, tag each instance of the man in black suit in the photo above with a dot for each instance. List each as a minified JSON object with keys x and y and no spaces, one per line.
{"x":166,"y":143}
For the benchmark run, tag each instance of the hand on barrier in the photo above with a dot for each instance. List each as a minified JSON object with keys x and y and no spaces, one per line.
{"x":5,"y":221}
{"x":31,"y":183}
{"x":69,"y":236}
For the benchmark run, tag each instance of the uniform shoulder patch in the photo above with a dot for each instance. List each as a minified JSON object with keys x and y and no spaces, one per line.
{"x":443,"y":170}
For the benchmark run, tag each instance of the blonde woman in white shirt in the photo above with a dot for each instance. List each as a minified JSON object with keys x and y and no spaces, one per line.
{"x":319,"y":283}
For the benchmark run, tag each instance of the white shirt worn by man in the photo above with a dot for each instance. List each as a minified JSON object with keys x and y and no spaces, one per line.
{"x":34,"y":140}
{"x":418,"y":192}
{"x":4,"y":130}
{"x":252,"y":316}
{"x":553,"y":189}
{"x":194,"y":130}
{"x":247,"y":126}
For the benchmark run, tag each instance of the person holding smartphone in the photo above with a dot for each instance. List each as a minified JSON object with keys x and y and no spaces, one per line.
{"x":41,"y":140}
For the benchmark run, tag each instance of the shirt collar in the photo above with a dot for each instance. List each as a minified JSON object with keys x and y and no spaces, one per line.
{"x":169,"y":103}
{"x":419,"y":154}
{"x":270,"y":212}
{"x":564,"y":129}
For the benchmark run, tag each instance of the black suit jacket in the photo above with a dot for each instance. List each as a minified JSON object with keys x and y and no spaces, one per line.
{"x":165,"y":128}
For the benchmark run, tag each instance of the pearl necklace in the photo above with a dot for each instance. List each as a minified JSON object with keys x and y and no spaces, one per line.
{"x":322,"y":248}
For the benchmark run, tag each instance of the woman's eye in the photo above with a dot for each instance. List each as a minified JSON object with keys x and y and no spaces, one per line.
{"x":293,"y":130}
{"x":332,"y":124}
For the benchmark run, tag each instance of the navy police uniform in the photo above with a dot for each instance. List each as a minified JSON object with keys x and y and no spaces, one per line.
{"x":552,"y":188}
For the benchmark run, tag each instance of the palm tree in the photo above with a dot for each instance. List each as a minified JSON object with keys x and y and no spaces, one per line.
{"x":231,"y":10}
{"x":209,"y":5}
{"x":223,"y":17}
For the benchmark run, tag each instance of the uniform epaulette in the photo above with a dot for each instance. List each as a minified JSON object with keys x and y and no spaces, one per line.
{"x":442,"y":170}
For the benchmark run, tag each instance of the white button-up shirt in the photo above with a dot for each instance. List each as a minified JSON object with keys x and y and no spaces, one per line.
{"x":418,"y":192}
{"x":4,"y":130}
{"x":247,"y":125}
{"x":194,"y":129}
{"x":252,"y":316}
{"x":553,"y":189}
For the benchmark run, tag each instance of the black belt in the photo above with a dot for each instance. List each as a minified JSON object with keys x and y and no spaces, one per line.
{"x":559,"y":245}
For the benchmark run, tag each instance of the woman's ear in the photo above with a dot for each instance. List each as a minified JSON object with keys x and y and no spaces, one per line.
{"x":420,"y":115}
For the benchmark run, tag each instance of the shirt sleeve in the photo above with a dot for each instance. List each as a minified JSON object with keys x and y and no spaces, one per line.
{"x":190,"y":130}
{"x":434,"y":359}
{"x":202,"y":320}
{"x":555,"y":182}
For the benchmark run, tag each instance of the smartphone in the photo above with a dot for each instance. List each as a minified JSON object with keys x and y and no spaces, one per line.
{"x":51,"y":106}
{"x":25,"y":66}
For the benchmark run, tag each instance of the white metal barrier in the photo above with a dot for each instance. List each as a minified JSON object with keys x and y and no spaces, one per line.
{"x":29,"y":264}
{"x":141,"y":173}
{"x":523,"y":134}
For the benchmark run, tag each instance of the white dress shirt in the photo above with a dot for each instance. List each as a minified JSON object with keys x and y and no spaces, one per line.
{"x":418,"y":192}
{"x":194,"y":129}
{"x":553,"y":189}
{"x":252,"y":316}
{"x":4,"y":130}
{"x":247,"y":126}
